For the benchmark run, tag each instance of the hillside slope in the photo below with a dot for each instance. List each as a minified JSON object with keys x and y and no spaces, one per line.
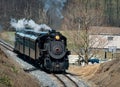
{"x":11,"y":75}
{"x":108,"y":75}
{"x":101,"y":75}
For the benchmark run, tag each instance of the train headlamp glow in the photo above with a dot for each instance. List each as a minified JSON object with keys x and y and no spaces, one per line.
{"x":57,"y":37}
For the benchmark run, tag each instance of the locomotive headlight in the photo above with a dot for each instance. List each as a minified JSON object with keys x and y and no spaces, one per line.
{"x":57,"y":37}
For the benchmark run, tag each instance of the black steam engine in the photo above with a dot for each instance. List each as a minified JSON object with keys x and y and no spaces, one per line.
{"x":48,"y":48}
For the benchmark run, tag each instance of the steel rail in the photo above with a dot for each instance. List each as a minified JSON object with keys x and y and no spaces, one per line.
{"x":6,"y":45}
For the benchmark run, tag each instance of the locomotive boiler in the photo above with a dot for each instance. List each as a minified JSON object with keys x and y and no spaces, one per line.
{"x":48,"y":48}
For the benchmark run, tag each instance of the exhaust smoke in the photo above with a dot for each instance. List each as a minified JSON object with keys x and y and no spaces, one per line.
{"x":53,"y":10}
{"x":21,"y":24}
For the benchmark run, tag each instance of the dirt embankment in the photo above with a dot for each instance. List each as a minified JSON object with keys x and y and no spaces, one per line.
{"x":102,"y":75}
{"x":108,"y":75}
{"x":11,"y":75}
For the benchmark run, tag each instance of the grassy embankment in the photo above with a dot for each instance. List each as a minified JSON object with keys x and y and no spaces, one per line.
{"x":12,"y":75}
{"x":8,"y":37}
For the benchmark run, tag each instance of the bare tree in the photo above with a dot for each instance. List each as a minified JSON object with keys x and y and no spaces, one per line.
{"x":80,"y":36}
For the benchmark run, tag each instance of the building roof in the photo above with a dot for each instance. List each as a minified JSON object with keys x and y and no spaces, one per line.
{"x":105,"y":30}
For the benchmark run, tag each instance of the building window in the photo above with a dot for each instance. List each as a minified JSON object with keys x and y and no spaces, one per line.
{"x":110,"y":38}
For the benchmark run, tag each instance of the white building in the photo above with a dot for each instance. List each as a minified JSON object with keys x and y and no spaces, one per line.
{"x":105,"y":38}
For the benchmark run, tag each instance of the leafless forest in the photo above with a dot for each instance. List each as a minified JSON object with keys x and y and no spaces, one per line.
{"x":109,"y":11}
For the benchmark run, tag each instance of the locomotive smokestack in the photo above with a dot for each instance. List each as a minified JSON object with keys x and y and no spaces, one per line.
{"x":53,"y":10}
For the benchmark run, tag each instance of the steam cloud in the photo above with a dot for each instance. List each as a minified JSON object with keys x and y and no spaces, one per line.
{"x":53,"y":10}
{"x":23,"y":23}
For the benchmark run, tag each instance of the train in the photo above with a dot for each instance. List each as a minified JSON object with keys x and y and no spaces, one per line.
{"x":47,"y":47}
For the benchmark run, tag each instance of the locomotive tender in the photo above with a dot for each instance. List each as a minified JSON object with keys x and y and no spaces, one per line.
{"x":48,"y":48}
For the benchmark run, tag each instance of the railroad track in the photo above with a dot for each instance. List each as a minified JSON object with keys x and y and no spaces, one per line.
{"x":64,"y":80}
{"x":6,"y":45}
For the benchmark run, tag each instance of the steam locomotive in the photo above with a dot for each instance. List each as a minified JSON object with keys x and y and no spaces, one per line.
{"x":48,"y":48}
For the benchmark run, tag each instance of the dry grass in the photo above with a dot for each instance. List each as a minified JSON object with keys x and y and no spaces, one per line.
{"x":108,"y":75}
{"x":8,"y":37}
{"x":11,"y":74}
{"x":102,"y":75}
{"x":84,"y":71}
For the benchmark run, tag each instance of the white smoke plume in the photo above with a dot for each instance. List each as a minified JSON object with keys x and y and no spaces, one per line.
{"x":53,"y":10}
{"x":21,"y":24}
{"x":57,"y":5}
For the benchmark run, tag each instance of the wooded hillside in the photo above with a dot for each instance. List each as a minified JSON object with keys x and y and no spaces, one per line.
{"x":33,"y":9}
